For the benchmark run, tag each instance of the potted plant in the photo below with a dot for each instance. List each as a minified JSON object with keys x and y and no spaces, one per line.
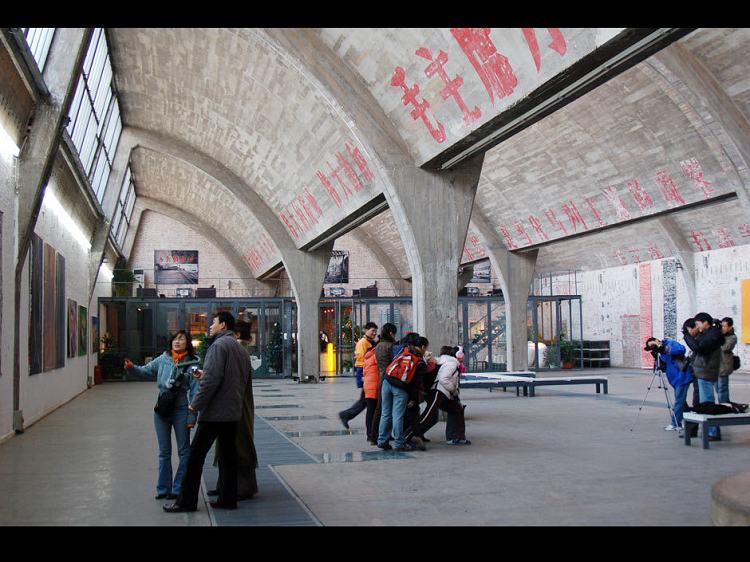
{"x":109,"y":360}
{"x":122,"y":280}
{"x":568,"y":351}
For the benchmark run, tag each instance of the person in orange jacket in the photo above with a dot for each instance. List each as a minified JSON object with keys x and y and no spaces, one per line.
{"x":371,"y":388}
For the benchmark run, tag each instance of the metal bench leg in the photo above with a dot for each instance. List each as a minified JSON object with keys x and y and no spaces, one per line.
{"x":532,"y":390}
{"x":606,"y":389}
{"x":597,"y":388}
{"x":687,"y":427}
{"x":704,"y":434}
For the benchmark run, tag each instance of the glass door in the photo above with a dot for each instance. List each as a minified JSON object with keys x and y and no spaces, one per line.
{"x":273,"y":336}
{"x":348,"y":336}
{"x":167,"y":324}
{"x":251,"y":313}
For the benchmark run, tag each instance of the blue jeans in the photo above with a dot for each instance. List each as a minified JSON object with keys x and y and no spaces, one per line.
{"x":164,"y":426}
{"x":393,"y":407}
{"x":723,"y":388}
{"x":706,"y":392}
{"x":359,"y":373}
{"x":680,"y":397}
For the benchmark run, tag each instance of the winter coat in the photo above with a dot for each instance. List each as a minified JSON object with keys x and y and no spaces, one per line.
{"x":363,"y":346}
{"x":447,"y":377}
{"x":679,"y":371}
{"x":727,"y":356}
{"x":384,"y":356}
{"x":225,"y":376}
{"x":370,"y":375}
{"x":707,"y":349}
{"x":164,"y":371}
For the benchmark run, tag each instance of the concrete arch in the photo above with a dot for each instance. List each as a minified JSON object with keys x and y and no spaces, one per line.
{"x":306,"y":270}
{"x":191,"y":221}
{"x":417,"y":198}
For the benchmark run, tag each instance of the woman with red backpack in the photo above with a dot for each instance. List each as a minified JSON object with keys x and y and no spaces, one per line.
{"x":400,"y":388}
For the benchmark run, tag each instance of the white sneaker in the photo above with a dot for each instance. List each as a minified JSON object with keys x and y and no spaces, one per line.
{"x":671,"y":427}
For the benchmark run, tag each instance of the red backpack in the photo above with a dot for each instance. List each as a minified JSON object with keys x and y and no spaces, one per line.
{"x":401,"y":370}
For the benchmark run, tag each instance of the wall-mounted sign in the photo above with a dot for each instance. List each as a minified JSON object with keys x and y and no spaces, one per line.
{"x":336,"y":291}
{"x":176,"y":267}
{"x":482,"y":272}
{"x":338,"y":267}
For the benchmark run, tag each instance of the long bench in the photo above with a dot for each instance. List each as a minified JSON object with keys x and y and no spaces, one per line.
{"x":691,"y":419}
{"x":528,"y":382}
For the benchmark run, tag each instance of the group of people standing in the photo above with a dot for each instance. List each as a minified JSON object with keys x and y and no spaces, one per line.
{"x":218,"y":401}
{"x":707,"y":367}
{"x":395,"y":378}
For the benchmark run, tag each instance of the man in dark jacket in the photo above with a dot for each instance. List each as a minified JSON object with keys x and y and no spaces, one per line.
{"x":707,"y":348}
{"x":219,"y":403}
{"x":727,"y":358}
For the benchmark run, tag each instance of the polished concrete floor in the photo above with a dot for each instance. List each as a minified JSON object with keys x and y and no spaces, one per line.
{"x":565,"y":457}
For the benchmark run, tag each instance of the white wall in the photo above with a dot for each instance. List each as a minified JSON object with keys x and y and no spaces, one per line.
{"x":7,"y":272}
{"x":610,"y":294}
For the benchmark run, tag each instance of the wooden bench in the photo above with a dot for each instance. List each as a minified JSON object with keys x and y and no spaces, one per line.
{"x":528,"y":383}
{"x":690,"y":419}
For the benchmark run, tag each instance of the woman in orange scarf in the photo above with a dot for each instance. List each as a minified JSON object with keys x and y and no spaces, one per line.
{"x":171,"y":370}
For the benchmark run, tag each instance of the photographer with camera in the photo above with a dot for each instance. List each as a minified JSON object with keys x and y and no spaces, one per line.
{"x":669,"y":356}
{"x":706,"y":345}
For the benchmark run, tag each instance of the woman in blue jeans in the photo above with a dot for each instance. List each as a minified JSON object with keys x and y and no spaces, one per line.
{"x":172,"y":370}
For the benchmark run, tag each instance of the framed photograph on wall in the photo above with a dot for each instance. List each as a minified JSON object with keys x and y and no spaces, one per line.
{"x":49,"y":346}
{"x":83,"y":315}
{"x":94,"y":334}
{"x":482,"y":272}
{"x":72,"y":328}
{"x":338,"y":267}
{"x":36,"y":322}
{"x":176,"y":267}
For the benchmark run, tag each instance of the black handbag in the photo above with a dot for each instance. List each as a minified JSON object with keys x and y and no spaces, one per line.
{"x":166,"y":400}
{"x":735,"y":362}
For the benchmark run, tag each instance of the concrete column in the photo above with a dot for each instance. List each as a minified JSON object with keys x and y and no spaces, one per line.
{"x":306,"y":271}
{"x":515,"y":271}
{"x":684,"y":253}
{"x":96,"y":254}
{"x":432,"y":212}
{"x":36,"y":160}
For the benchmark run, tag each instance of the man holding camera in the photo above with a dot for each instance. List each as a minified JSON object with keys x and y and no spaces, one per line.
{"x":670,"y":356}
{"x":707,"y":348}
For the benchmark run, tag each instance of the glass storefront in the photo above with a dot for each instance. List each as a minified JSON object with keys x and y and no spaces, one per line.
{"x":140,"y":328}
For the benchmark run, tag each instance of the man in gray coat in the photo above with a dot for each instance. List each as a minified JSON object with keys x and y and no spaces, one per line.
{"x":219,"y":403}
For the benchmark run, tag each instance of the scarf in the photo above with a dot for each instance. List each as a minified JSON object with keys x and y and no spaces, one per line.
{"x":178,"y":356}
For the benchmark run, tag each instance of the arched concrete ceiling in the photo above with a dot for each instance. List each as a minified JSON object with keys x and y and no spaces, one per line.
{"x":163,"y":178}
{"x":725,"y":53}
{"x":458,"y":79}
{"x":232,"y":96}
{"x":623,"y":151}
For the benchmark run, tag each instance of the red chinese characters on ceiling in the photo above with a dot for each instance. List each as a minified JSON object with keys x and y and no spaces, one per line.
{"x":615,"y":201}
{"x":264,"y":252}
{"x":491,"y":66}
{"x":473,"y":249}
{"x":345,"y":174}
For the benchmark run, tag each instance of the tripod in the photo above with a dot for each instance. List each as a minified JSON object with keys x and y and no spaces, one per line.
{"x":662,"y":384}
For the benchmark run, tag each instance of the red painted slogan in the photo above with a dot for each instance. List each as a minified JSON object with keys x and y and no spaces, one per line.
{"x":346,"y":173}
{"x":572,"y":217}
{"x":492,"y":67}
{"x":261,"y":254}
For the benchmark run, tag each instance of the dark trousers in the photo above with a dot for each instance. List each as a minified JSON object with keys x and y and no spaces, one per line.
{"x":355,"y":409}
{"x":411,"y":422}
{"x":374,"y":427}
{"x":436,"y":400}
{"x":205,"y":435}
{"x":371,"y":405}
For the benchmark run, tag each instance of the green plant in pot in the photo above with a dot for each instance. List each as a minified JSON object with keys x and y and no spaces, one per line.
{"x":568,"y":351}
{"x":122,"y":280}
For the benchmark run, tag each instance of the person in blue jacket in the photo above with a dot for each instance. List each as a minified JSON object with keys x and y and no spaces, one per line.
{"x":672,"y":358}
{"x":172,"y":369}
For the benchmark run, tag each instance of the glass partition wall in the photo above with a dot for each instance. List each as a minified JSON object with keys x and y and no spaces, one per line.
{"x":140,"y":328}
